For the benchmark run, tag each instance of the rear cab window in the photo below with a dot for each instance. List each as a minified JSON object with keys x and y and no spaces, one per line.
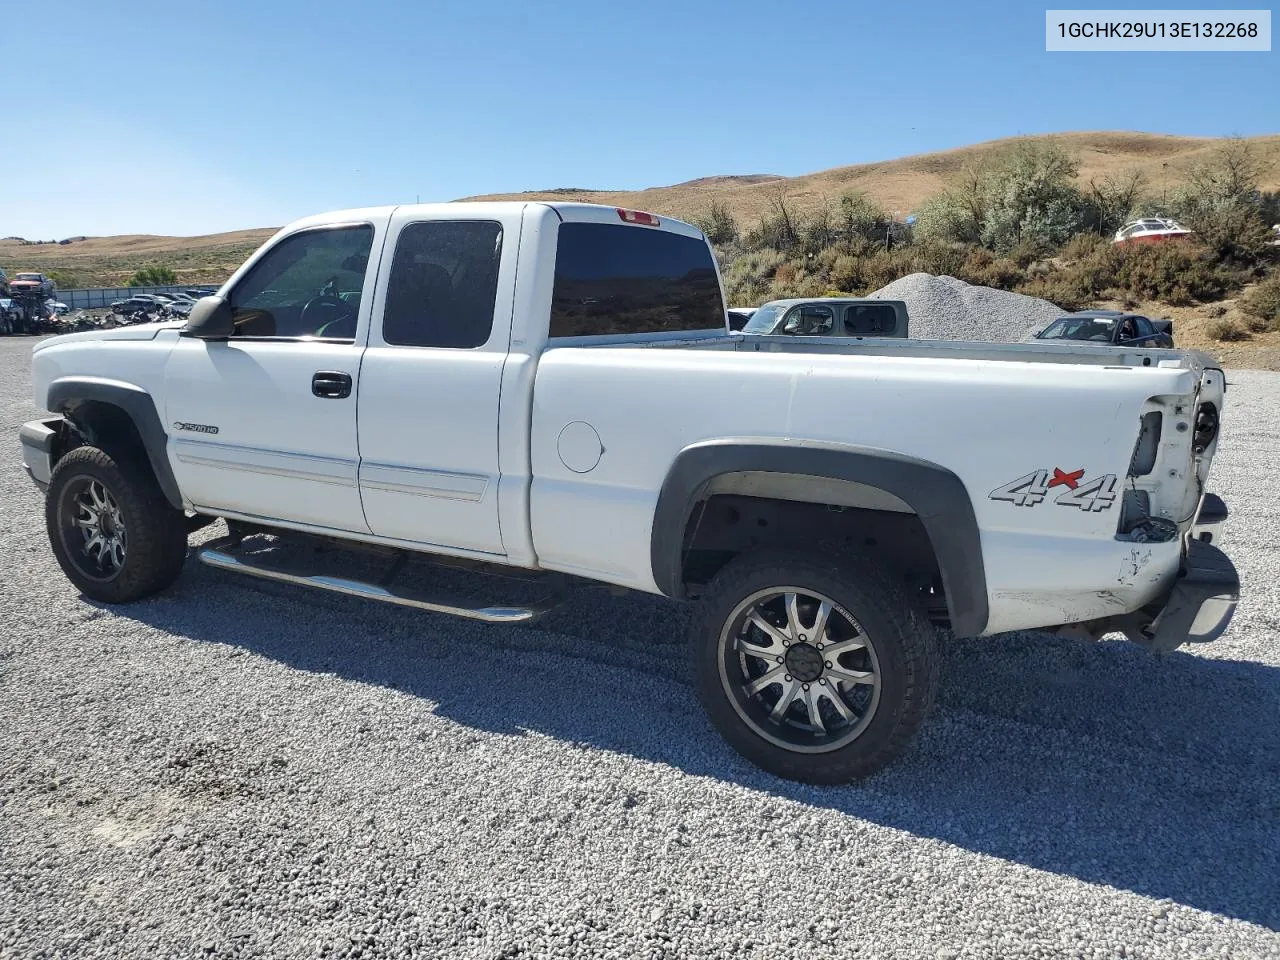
{"x":870,"y":319}
{"x":627,"y":279}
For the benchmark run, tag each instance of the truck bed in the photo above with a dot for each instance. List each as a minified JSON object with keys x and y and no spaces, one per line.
{"x":1038,"y":352}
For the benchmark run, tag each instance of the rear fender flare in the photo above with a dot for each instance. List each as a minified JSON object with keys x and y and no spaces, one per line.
{"x":937,"y":496}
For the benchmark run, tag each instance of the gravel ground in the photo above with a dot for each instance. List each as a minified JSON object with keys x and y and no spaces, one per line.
{"x":944,"y":308}
{"x":240,"y":769}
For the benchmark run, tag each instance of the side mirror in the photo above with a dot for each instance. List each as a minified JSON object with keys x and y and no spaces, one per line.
{"x":210,"y":319}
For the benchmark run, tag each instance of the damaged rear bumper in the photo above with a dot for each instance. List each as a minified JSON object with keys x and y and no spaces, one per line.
{"x":1204,"y":596}
{"x":1201,"y":604}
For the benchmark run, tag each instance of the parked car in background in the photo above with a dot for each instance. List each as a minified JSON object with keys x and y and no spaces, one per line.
{"x":134,"y":304}
{"x":1151,"y":230}
{"x":10,"y":315}
{"x":738,"y":316}
{"x":181,"y":308}
{"x":57,"y":307}
{"x":1112,"y":328}
{"x":829,"y":317}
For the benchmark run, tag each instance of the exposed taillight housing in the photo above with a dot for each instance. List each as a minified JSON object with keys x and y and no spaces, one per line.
{"x":638,"y":216}
{"x":1206,"y":427}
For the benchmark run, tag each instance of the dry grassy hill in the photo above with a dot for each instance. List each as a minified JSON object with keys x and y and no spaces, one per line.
{"x":898,"y":185}
{"x":903,"y":184}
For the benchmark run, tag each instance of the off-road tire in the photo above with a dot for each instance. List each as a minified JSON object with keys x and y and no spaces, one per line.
{"x":902,"y":638}
{"x":157,"y":533}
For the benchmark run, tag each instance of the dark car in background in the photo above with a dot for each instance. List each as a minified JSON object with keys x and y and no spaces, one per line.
{"x":141,"y":302}
{"x":1111,"y":328}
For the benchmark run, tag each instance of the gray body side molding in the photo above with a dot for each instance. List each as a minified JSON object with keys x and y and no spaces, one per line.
{"x":936,"y":494}
{"x":66,"y":394}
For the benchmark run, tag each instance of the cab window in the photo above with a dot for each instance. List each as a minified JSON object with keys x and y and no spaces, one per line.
{"x":613,"y":278}
{"x":309,"y":285}
{"x":443,"y":284}
{"x":870,"y":319}
{"x":809,"y":320}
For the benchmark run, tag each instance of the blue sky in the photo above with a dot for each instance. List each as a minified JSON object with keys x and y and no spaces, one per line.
{"x":201,"y":117}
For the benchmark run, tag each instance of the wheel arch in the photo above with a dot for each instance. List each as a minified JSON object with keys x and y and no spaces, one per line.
{"x":90,"y":402}
{"x":856,"y":476}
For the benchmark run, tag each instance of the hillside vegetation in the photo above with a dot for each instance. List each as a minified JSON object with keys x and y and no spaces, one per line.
{"x":1032,"y":214}
{"x":894,"y":185}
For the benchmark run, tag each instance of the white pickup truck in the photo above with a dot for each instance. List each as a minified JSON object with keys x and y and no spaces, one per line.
{"x":553,"y":387}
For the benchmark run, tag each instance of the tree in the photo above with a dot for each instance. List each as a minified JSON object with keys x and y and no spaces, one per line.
{"x":1112,"y":202}
{"x":1031,"y":197}
{"x":1222,"y":203}
{"x":154,"y":276}
{"x":779,"y":229}
{"x":718,"y":224}
{"x":860,"y":217}
{"x":1026,"y":197}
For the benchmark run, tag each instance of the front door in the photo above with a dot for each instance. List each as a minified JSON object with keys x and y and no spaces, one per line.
{"x":264,"y":424}
{"x":431,"y":378}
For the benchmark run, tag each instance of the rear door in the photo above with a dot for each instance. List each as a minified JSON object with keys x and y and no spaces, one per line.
{"x":432,"y":375}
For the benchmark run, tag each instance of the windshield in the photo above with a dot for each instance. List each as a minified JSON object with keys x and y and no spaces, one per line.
{"x":765,"y":319}
{"x":27,"y":276}
{"x":1097,"y":329}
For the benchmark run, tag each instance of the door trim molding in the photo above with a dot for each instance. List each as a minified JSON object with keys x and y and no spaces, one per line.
{"x":298,"y":466}
{"x":416,"y":482}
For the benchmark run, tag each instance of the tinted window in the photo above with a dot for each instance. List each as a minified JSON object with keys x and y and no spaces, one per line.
{"x":870,"y":319}
{"x":620,"y":279}
{"x":443,"y":284}
{"x":1145,"y":329}
{"x":809,"y":320}
{"x":308,"y":285}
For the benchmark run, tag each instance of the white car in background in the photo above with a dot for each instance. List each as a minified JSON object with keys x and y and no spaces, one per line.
{"x":1151,"y":230}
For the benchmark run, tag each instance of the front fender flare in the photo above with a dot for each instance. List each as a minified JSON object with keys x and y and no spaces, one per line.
{"x":938,"y":497}
{"x":68,"y":393}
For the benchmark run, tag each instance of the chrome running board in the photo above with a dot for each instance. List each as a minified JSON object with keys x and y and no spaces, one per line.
{"x":218,"y":555}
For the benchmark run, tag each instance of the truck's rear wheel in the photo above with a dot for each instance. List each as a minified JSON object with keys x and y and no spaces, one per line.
{"x":815,"y":669}
{"x":112,"y":531}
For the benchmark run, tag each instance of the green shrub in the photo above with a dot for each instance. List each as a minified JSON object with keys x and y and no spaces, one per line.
{"x":949,"y":217}
{"x":154,"y":276}
{"x":1175,"y":273}
{"x":64,"y":280}
{"x":1225,"y":329}
{"x":983,"y":267}
{"x":1221,"y":201}
{"x":1067,"y":289}
{"x":1083,"y":246}
{"x":860,"y":221}
{"x":847,"y":273}
{"x":718,"y":224}
{"x":1263,"y":302}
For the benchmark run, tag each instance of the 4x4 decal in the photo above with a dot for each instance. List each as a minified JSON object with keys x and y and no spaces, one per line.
{"x":1093,"y":495}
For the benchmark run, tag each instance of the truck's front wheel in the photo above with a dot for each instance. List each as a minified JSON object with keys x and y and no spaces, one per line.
{"x":815,"y":669}
{"x":112,"y":531}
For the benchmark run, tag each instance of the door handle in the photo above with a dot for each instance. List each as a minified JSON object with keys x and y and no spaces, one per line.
{"x":331,"y":384}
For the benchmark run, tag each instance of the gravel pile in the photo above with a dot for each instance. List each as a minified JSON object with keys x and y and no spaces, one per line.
{"x":944,"y":308}
{"x":239,"y":769}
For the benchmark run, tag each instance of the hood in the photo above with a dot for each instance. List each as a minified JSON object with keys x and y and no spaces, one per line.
{"x":140,"y":331}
